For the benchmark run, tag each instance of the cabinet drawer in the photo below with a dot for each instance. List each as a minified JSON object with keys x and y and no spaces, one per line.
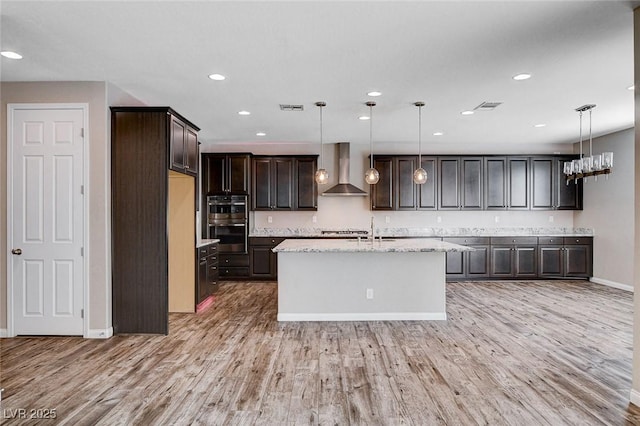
{"x":203,"y":252}
{"x":467,"y":240}
{"x":265,"y":241}
{"x":578,"y":240}
{"x":231,"y":260}
{"x":514,"y":240}
{"x":212,"y":249}
{"x":550,"y":240}
{"x":234,"y":271}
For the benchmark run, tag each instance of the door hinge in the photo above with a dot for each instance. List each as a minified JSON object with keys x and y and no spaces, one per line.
{"x":81,"y":313}
{"x":82,"y":189}
{"x":82,"y":251}
{"x":82,"y":132}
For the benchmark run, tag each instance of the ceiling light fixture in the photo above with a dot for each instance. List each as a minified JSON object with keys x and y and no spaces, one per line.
{"x":593,"y":165}
{"x":438,"y":134}
{"x":374,"y":93}
{"x":11,"y":55}
{"x":322,"y":176}
{"x":540,"y":125}
{"x":632,"y":87}
{"x":364,"y":117}
{"x":420,"y":174}
{"x":243,"y":112}
{"x":371,"y":176}
{"x":261,"y":134}
{"x":468,"y":112}
{"x":521,"y":76}
{"x":217,"y":77}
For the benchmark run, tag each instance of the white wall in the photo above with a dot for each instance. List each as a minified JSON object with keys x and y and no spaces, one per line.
{"x":609,"y":210}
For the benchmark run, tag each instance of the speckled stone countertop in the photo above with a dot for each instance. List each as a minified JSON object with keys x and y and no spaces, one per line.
{"x":340,"y":245}
{"x":204,"y":242}
{"x":431,"y":232}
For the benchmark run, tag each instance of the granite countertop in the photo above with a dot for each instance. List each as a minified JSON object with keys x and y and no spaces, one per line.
{"x":431,"y":232}
{"x":340,"y":245}
{"x":205,"y":242}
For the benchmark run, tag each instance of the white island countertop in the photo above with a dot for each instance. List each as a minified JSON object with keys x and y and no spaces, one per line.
{"x":339,"y":245}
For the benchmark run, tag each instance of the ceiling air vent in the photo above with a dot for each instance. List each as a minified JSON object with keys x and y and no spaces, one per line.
{"x":487,"y":106}
{"x":290,"y":107}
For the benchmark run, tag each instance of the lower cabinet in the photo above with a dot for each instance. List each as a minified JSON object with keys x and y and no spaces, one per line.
{"x":234,"y":266}
{"x":565,"y":257}
{"x":208,"y":277}
{"x":470,"y":264}
{"x":514,"y":257}
{"x":263,"y":263}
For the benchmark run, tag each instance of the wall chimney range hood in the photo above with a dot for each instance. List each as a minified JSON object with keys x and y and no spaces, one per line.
{"x":343,"y":188}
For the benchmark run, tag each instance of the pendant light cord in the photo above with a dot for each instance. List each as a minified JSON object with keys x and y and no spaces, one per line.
{"x":590,"y":136}
{"x":371,"y":134}
{"x":580,"y":135}
{"x":321,"y":156}
{"x":419,"y":136}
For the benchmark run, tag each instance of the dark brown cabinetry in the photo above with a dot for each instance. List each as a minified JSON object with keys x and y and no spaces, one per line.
{"x":382,"y":192}
{"x":183,"y":147}
{"x":208,"y":276}
{"x":471,"y":264}
{"x":460,"y":183}
{"x":141,"y":155}
{"x":225,"y":174}
{"x":495,"y":183}
{"x":565,"y":257}
{"x":263,"y":263}
{"x":233,"y":266}
{"x":518,"y":183}
{"x":396,"y":189}
{"x":513,"y":257}
{"x":284,"y":183}
{"x":549,"y":190}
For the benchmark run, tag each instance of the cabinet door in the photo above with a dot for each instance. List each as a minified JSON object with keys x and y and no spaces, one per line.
{"x":472,"y":183}
{"x":191,"y":154}
{"x":577,"y":261}
{"x":502,"y":261}
{"x":568,"y":196}
{"x":177,"y":145}
{"x":238,"y":174}
{"x":306,"y":193}
{"x":550,"y":261}
{"x":261,"y":261}
{"x":455,"y":264}
{"x":478,"y":262}
{"x":405,"y":187}
{"x":202,"y":290}
{"x":382,"y":192}
{"x":542,"y":182}
{"x":282,"y":184}
{"x":525,"y":262}
{"x":518,"y":178}
{"x":449,"y":179}
{"x":495,"y":183}
{"x":261,"y":184}
{"x":427,"y":193}
{"x":214,"y":173}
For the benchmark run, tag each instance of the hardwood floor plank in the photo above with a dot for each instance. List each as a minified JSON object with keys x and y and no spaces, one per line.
{"x":512,"y":353}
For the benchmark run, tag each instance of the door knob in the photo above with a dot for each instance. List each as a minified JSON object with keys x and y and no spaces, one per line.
{"x":16,"y":251}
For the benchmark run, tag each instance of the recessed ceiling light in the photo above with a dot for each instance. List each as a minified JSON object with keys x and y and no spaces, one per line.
{"x":11,"y":55}
{"x":631,"y":87}
{"x":363,"y":117}
{"x":243,"y":112}
{"x":466,"y":112}
{"x":522,"y":76}
{"x":374,"y":93}
{"x":540,"y":125}
{"x":217,"y":77}
{"x":261,"y":134}
{"x":438,"y":134}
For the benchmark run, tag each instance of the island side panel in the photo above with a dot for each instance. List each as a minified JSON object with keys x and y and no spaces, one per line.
{"x":333,"y":286}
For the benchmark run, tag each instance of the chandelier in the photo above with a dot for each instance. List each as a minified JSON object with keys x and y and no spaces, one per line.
{"x":593,"y":165}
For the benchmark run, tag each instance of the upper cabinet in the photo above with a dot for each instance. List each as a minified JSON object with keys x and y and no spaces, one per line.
{"x":183,"y":155}
{"x":284,"y":183}
{"x":225,"y":174}
{"x":475,"y":183}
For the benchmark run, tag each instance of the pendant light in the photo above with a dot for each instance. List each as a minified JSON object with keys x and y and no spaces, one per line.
{"x":322,"y":176}
{"x":420,"y":175}
{"x":371,"y":176}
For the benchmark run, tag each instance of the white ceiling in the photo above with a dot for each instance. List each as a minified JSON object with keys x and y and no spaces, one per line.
{"x":452,"y":55}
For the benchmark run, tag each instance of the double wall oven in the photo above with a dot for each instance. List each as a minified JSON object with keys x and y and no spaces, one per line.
{"x":227,"y":221}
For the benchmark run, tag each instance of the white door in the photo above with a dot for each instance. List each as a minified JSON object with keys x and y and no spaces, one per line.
{"x":47,"y":221}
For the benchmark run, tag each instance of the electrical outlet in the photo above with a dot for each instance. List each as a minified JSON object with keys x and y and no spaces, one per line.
{"x":314,"y":219}
{"x":439,"y":219}
{"x":270,"y":219}
{"x":387,"y":219}
{"x":550,"y":219}
{"x":497,"y":219}
{"x":369,"y":293}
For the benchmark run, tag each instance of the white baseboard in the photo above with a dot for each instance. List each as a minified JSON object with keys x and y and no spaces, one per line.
{"x":613,"y":284}
{"x":98,"y":333}
{"x":386,"y":316}
{"x":3,"y":333}
{"x":634,"y":397}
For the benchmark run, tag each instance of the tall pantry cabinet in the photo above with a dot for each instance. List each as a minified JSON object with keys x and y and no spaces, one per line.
{"x":150,"y":145}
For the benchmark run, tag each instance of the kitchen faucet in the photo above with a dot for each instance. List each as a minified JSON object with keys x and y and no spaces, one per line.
{"x":372,"y":234}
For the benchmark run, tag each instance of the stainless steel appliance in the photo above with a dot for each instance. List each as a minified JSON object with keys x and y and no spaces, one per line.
{"x":227,"y":221}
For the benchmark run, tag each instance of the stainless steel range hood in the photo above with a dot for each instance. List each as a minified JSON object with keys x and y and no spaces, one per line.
{"x":343,"y":188}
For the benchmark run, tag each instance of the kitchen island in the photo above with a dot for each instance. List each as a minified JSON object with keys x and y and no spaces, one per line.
{"x":361,"y":280}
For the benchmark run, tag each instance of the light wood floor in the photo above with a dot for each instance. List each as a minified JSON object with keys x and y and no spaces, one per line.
{"x":516,"y":353}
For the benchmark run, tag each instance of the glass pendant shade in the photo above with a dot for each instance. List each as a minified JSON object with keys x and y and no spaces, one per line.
{"x":371,"y":176}
{"x":420,"y":176}
{"x":322,"y":176}
{"x":597,"y":162}
{"x":607,"y":160}
{"x":568,"y":167}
